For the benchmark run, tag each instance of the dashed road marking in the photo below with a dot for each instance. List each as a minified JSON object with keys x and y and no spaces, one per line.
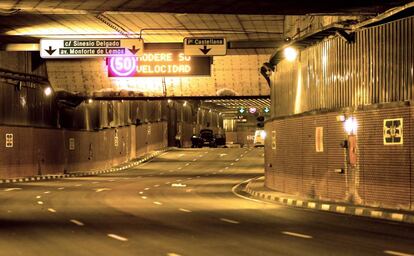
{"x":397,"y":253}
{"x":12,"y":189}
{"x":167,"y":183}
{"x":157,"y":203}
{"x":95,"y":182}
{"x":173,"y":254}
{"x":237,"y":160}
{"x":184,"y":210}
{"x":178,"y":185}
{"x":156,"y":185}
{"x":46,"y":192}
{"x":229,"y":221}
{"x":232,"y":164}
{"x":51,"y":210}
{"x":179,"y":168}
{"x":102,"y":189}
{"x":187,"y":164}
{"x":195,"y":159}
{"x":39,"y":202}
{"x":61,"y":188}
{"x":77,"y":222}
{"x":296,"y":235}
{"x":146,"y":188}
{"x":38,"y":197}
{"x":141,"y":192}
{"x":119,"y":238}
{"x":144,"y":197}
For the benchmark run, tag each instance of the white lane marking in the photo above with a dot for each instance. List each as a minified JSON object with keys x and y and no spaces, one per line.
{"x":195,"y":159}
{"x":221,"y":155}
{"x":397,"y":253}
{"x":156,"y":186}
{"x":179,"y":168}
{"x":237,"y":160}
{"x":102,"y":189}
{"x":189,"y":178}
{"x":146,"y":188}
{"x":46,"y":192}
{"x":184,"y":210}
{"x":11,"y":189}
{"x":141,"y":192}
{"x":229,"y":221}
{"x":187,"y":164}
{"x":296,"y":234}
{"x":119,"y":238}
{"x":233,"y":190}
{"x":38,"y":197}
{"x":62,"y":188}
{"x":51,"y":210}
{"x":173,"y":254}
{"x":167,"y":183}
{"x":220,"y":170}
{"x":171,"y":170}
{"x":232,"y":164}
{"x":144,"y":197}
{"x":95,"y":182}
{"x":78,"y":185}
{"x":181,"y":155}
{"x":178,"y":180}
{"x":77,"y":222}
{"x":39,"y":202}
{"x":226,"y":168}
{"x":157,"y":203}
{"x":178,"y":185}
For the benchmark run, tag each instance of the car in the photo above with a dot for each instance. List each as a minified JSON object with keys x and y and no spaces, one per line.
{"x":259,"y":138}
{"x":207,"y":138}
{"x":221,"y":140}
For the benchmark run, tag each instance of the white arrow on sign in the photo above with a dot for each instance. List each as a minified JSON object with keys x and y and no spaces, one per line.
{"x":204,"y":46}
{"x":87,"y":47}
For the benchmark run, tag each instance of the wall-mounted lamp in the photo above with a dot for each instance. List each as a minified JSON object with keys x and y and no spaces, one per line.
{"x":185,"y":103}
{"x":47,"y":91}
{"x":290,"y":53}
{"x":90,"y":101}
{"x":351,"y":126}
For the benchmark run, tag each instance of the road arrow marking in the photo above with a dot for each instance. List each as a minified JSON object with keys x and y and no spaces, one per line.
{"x":50,"y":51}
{"x":205,"y":50}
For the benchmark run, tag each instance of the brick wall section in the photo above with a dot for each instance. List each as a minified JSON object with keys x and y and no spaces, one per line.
{"x":383,"y":174}
{"x":46,"y":151}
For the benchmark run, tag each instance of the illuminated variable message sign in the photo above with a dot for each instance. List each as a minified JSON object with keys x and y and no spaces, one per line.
{"x":160,"y":64}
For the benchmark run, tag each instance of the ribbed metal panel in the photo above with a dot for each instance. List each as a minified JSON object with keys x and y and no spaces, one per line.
{"x":377,"y":68}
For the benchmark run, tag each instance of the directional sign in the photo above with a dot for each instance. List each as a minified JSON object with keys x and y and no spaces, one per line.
{"x":86,"y":48}
{"x":202,"y":46}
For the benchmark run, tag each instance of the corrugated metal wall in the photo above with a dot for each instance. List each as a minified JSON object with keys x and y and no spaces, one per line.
{"x":336,"y":78}
{"x":377,"y":68}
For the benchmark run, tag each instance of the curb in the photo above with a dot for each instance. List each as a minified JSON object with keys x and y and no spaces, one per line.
{"x":377,"y":213}
{"x":118,"y":168}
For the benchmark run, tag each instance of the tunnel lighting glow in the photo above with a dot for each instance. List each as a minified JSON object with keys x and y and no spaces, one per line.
{"x":351,"y":125}
{"x":90,"y":101}
{"x":123,"y":66}
{"x":169,"y":101}
{"x":185,"y":103}
{"x":48,"y":91}
{"x":263,"y":134}
{"x":290,"y":53}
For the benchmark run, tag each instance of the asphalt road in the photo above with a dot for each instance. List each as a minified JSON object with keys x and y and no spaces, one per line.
{"x":181,"y":203}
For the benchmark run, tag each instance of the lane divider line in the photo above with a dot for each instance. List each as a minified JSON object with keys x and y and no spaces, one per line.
{"x":184,"y":210}
{"x":296,"y":235}
{"x":77,"y":222}
{"x":119,"y":238}
{"x":229,"y":221}
{"x":51,"y":210}
{"x":157,"y":203}
{"x":389,"y":252}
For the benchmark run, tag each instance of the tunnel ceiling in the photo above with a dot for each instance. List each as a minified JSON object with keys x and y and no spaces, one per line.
{"x":297,"y":7}
{"x":229,"y":107}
